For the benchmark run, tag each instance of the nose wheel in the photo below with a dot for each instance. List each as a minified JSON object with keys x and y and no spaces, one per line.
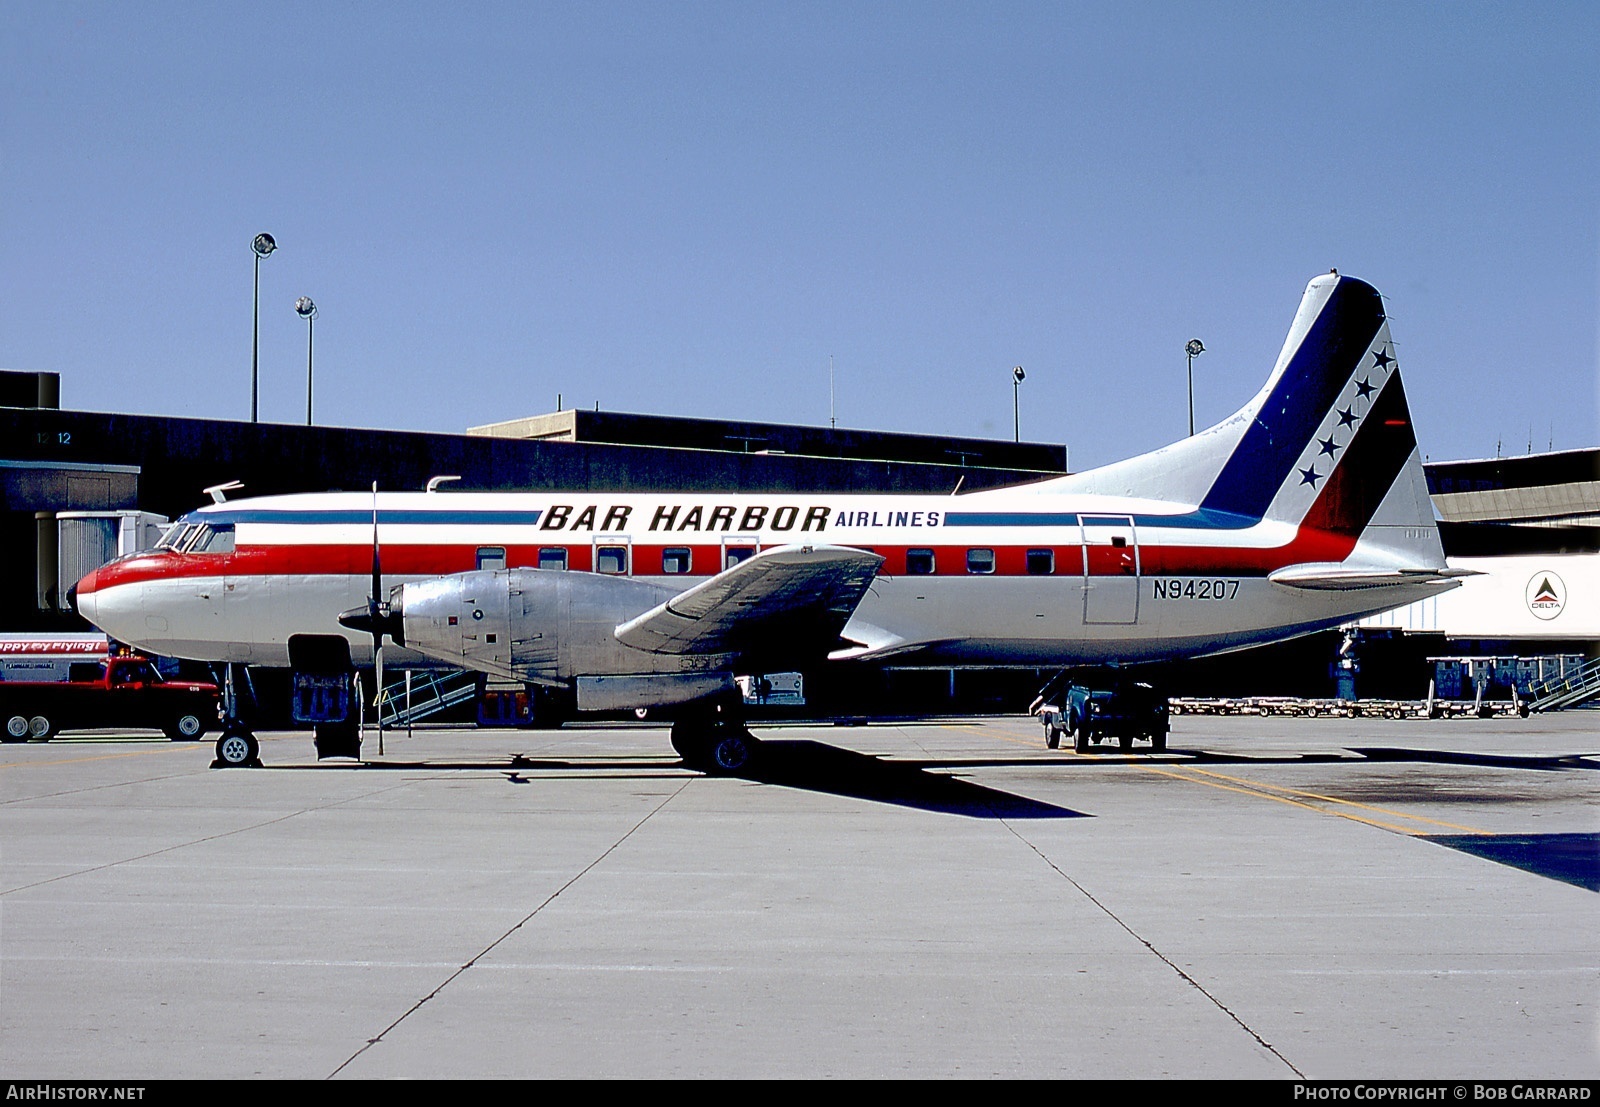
{"x":237,"y":749}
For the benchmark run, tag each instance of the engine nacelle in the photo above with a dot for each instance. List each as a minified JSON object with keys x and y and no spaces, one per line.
{"x":554,"y":627}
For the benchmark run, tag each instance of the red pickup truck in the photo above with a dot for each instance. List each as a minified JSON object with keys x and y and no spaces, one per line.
{"x":124,"y":692}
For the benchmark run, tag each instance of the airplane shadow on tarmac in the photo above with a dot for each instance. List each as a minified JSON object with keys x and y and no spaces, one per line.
{"x":818,"y":767}
{"x":927,"y":784}
{"x":812,"y":766}
{"x":1570,"y":858}
{"x":1491,"y":760}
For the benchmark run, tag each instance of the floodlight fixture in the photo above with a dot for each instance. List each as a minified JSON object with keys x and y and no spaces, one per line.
{"x":262,"y":246}
{"x":306,"y":309}
{"x":1017,"y":377}
{"x":1194,"y":348}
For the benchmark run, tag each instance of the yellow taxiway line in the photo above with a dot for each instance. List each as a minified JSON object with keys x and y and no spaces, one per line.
{"x":1293,"y":797}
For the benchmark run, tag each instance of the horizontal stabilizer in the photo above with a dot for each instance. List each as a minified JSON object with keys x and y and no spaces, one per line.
{"x":787,"y":602}
{"x":1337,"y":577}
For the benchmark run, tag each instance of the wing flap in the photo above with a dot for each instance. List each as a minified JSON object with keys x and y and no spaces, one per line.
{"x":785,"y":602}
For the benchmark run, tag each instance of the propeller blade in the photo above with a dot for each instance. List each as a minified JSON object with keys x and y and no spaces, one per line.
{"x":378,"y":680}
{"x":377,"y":606}
{"x":375,"y":597}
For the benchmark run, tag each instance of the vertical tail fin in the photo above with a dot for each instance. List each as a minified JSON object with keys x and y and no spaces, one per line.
{"x":1329,"y":432}
{"x":1327,"y":442}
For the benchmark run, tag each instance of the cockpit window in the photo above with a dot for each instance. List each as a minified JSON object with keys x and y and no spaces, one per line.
{"x":213,"y":539}
{"x":189,"y":537}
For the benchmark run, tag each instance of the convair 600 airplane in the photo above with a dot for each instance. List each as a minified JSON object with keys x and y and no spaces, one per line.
{"x":1304,"y":510}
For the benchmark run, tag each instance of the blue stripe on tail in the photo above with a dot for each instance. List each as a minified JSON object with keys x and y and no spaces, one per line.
{"x":1311,"y":382}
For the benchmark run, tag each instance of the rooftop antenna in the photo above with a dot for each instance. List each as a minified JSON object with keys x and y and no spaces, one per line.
{"x":219,"y":492}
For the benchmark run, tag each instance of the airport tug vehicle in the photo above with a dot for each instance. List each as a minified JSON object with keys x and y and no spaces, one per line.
{"x":1127,"y":711}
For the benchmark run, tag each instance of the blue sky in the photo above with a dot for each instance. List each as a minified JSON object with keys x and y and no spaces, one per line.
{"x":686,"y":209}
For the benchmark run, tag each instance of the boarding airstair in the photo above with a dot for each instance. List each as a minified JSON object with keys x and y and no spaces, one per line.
{"x":423,"y":693}
{"x":1570,"y":689}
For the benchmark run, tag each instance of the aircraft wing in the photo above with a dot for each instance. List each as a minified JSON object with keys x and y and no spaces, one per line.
{"x":791,"y":601}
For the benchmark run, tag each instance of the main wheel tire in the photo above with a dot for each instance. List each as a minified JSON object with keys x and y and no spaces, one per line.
{"x":690,"y":742}
{"x":16,"y":729}
{"x":1052,"y":737}
{"x":1080,"y":739}
{"x":1158,"y":742}
{"x":41,"y":728}
{"x":1125,"y":743}
{"x":187,"y":727}
{"x":732,"y":752}
{"x":237,"y":748}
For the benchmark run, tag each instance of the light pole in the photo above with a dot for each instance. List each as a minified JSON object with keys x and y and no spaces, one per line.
{"x":1194,"y":349}
{"x":1017,"y":377}
{"x":261,"y":247}
{"x":305,"y":309}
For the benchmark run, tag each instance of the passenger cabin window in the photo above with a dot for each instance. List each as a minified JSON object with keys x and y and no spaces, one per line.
{"x":919,"y":562}
{"x":732,"y":555}
{"x":980,"y":561}
{"x":611,"y":559}
{"x":675,"y":559}
{"x":552,"y":557}
{"x":491,"y":557}
{"x":1041,"y":563}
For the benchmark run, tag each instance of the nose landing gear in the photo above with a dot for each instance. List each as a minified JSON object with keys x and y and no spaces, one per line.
{"x":237,"y":748}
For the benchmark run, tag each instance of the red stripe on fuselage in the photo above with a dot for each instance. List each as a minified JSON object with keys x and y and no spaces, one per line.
{"x":706,"y":560}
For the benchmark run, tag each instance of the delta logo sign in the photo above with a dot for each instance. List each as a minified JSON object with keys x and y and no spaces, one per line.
{"x":1546,"y":595}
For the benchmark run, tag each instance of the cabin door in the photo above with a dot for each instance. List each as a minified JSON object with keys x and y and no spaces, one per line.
{"x":1110,"y":569}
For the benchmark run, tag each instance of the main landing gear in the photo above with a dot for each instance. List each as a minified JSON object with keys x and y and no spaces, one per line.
{"x":715,"y":746}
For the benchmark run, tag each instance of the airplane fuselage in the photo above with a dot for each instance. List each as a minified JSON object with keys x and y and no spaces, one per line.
{"x":1306,"y":509}
{"x":1006,"y":577}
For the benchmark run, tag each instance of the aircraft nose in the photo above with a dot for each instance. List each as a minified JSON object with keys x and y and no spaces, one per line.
{"x":81,"y":596}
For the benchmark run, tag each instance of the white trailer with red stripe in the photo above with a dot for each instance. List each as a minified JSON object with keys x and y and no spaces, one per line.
{"x":47,"y":657}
